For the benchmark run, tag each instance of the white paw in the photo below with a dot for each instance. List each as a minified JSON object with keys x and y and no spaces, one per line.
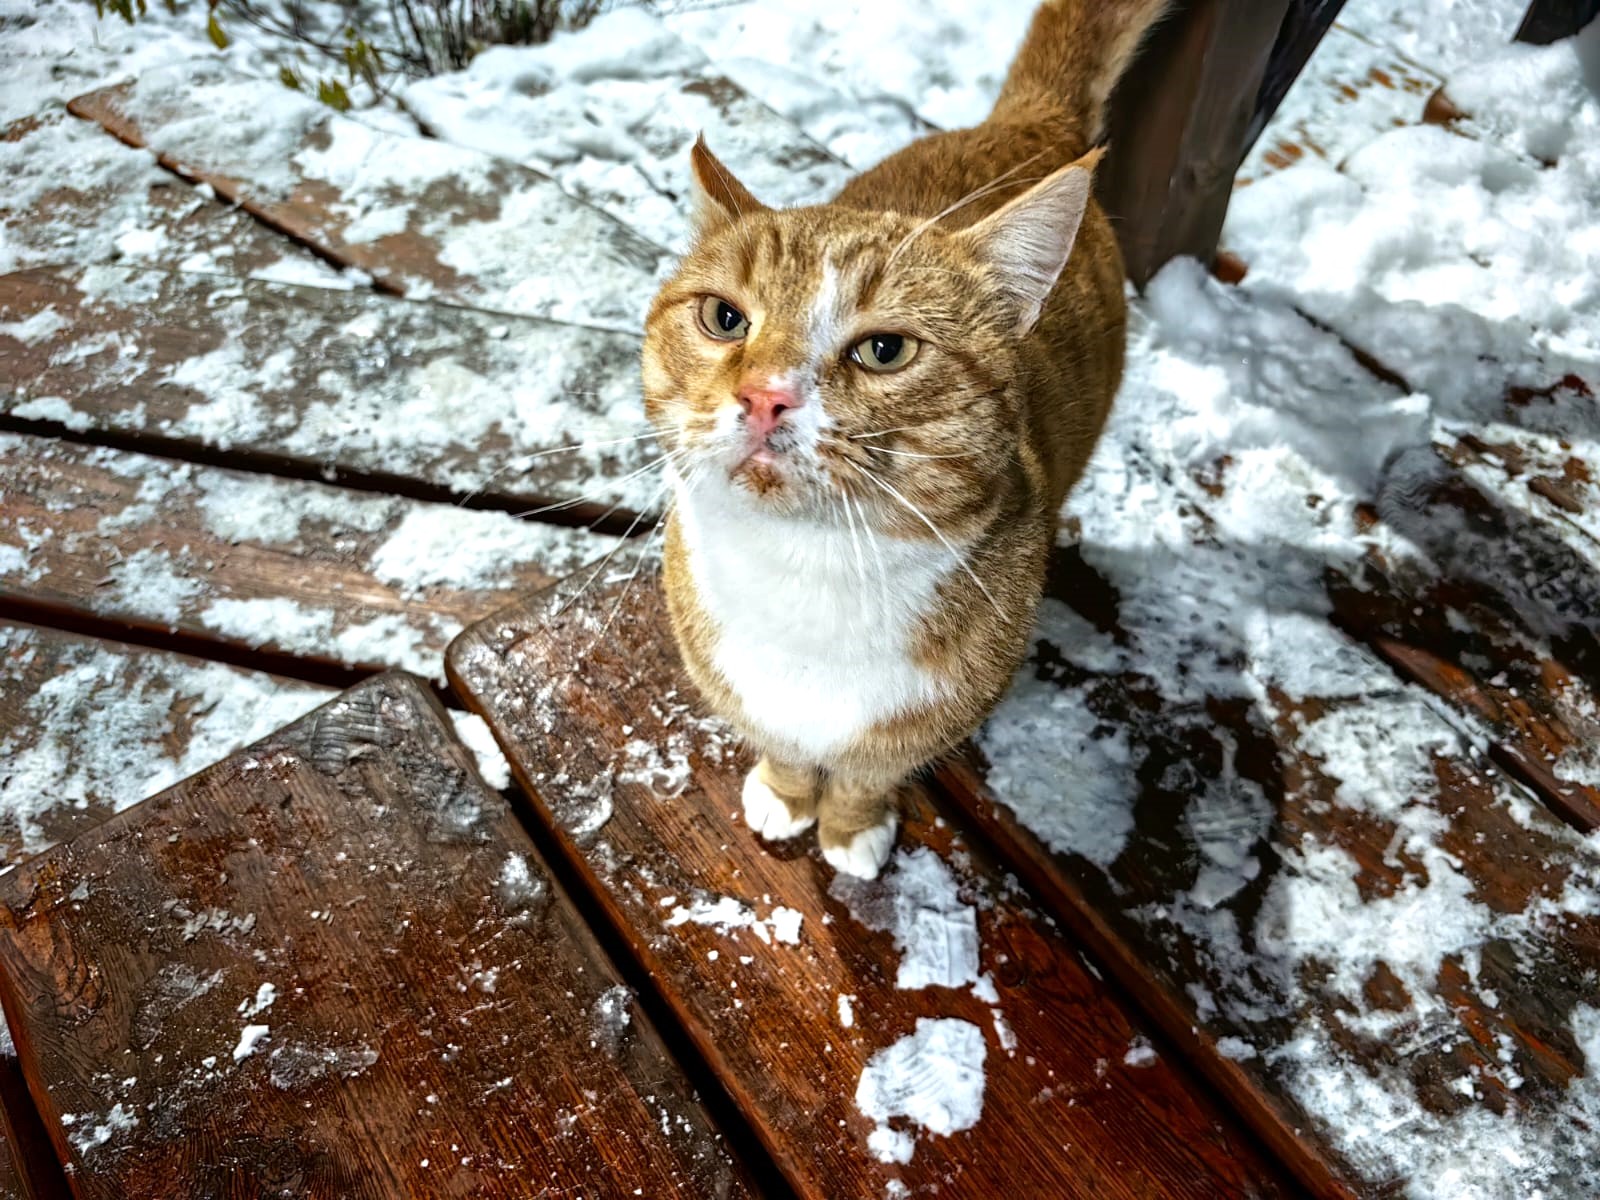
{"x":768,"y":815}
{"x":865,"y":854}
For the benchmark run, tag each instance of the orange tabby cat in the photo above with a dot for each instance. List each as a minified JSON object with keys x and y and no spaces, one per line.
{"x":874,"y":409}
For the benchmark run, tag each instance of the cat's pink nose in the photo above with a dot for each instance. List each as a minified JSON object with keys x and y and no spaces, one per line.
{"x":764,"y":408}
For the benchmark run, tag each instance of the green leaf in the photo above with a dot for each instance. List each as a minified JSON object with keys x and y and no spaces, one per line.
{"x":289,"y":78}
{"x":214,"y":32}
{"x":331,"y":92}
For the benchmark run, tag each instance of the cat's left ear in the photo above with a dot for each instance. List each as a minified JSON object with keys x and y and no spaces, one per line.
{"x":1027,"y":242}
{"x":719,"y":198}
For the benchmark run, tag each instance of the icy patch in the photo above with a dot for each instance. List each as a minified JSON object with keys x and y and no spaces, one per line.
{"x":933,"y":1077}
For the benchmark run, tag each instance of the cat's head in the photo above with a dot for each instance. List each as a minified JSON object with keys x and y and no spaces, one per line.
{"x":831,"y":362}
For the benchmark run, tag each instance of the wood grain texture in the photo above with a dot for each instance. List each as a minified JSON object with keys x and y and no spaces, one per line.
{"x":1178,"y":127}
{"x":414,"y":398}
{"x":75,"y":194}
{"x":424,"y":218}
{"x":1275,"y":903}
{"x":585,"y":690}
{"x":296,"y":570}
{"x":90,"y":727}
{"x":438,"y":1021}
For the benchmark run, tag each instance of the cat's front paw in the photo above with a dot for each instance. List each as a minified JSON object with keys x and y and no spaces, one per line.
{"x":767,"y":814}
{"x":865,"y":852}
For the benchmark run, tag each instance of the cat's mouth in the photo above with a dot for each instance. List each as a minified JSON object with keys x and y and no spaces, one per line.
{"x":761,"y":471}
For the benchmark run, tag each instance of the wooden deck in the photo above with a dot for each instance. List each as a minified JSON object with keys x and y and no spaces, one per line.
{"x":267,"y":930}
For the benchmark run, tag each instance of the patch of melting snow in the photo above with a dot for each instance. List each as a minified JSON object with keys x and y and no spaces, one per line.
{"x":475,"y":733}
{"x":250,"y":1037}
{"x":934,"y":1078}
{"x":919,"y":901}
{"x":121,"y":1119}
{"x":1141,"y":1053}
{"x":266,"y":996}
{"x":725,"y":914}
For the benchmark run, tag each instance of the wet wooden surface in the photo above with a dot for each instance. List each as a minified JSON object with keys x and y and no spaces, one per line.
{"x":1210,"y":912}
{"x":89,"y":727}
{"x":400,"y":396}
{"x":334,"y":965}
{"x":422,"y":217}
{"x":300,"y":572}
{"x":642,"y":794}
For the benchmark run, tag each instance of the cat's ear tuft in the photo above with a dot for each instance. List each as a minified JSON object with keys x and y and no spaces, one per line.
{"x":1027,"y":242}
{"x":719,"y":198}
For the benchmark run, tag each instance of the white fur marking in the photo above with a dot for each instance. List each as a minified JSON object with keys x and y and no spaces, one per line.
{"x":865,"y":854}
{"x":766,"y":814}
{"x":817,"y":652}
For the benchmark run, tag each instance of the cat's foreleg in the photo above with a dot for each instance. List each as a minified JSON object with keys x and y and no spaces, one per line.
{"x":856,"y":821}
{"x":780,"y":800}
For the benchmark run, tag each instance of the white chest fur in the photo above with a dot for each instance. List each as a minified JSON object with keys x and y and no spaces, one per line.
{"x":814,"y":629}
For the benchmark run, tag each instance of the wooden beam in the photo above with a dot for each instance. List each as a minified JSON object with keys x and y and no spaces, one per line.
{"x":1189,"y":110}
{"x":1549,"y":21}
{"x":1301,"y":33}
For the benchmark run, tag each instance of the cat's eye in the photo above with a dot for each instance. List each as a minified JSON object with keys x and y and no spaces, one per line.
{"x":722,"y":320}
{"x":885,"y":352}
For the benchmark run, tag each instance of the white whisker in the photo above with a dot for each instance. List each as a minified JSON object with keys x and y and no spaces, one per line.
{"x":961,"y":559}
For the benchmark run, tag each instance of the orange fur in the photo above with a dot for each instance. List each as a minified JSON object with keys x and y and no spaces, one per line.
{"x":984,"y":248}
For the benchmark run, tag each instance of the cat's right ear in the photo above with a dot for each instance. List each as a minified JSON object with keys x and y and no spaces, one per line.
{"x":719,"y":198}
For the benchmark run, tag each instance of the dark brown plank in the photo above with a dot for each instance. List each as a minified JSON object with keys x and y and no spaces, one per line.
{"x":293,"y":569}
{"x":424,"y":218}
{"x":334,"y":966}
{"x":1373,"y":943}
{"x":1178,"y":129}
{"x":1549,"y":21}
{"x":28,"y":1165}
{"x":765,"y":957}
{"x":88,"y":728}
{"x":1304,"y":25}
{"x":10,"y":1179}
{"x":419,"y":398}
{"x":76,"y":195}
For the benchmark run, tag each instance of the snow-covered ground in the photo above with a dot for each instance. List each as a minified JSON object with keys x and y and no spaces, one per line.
{"x":1247,"y":435}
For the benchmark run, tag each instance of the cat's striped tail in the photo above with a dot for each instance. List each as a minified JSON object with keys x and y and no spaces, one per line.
{"x":1074,"y":53}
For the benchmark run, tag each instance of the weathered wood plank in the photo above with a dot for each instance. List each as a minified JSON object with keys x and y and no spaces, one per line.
{"x":88,"y":728}
{"x":1380,"y":949}
{"x":334,"y":965}
{"x":1178,"y":126}
{"x":422,"y":217}
{"x":788,"y":979}
{"x":416,"y":398}
{"x":287,"y":567}
{"x":75,"y":195}
{"x":1305,"y":23}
